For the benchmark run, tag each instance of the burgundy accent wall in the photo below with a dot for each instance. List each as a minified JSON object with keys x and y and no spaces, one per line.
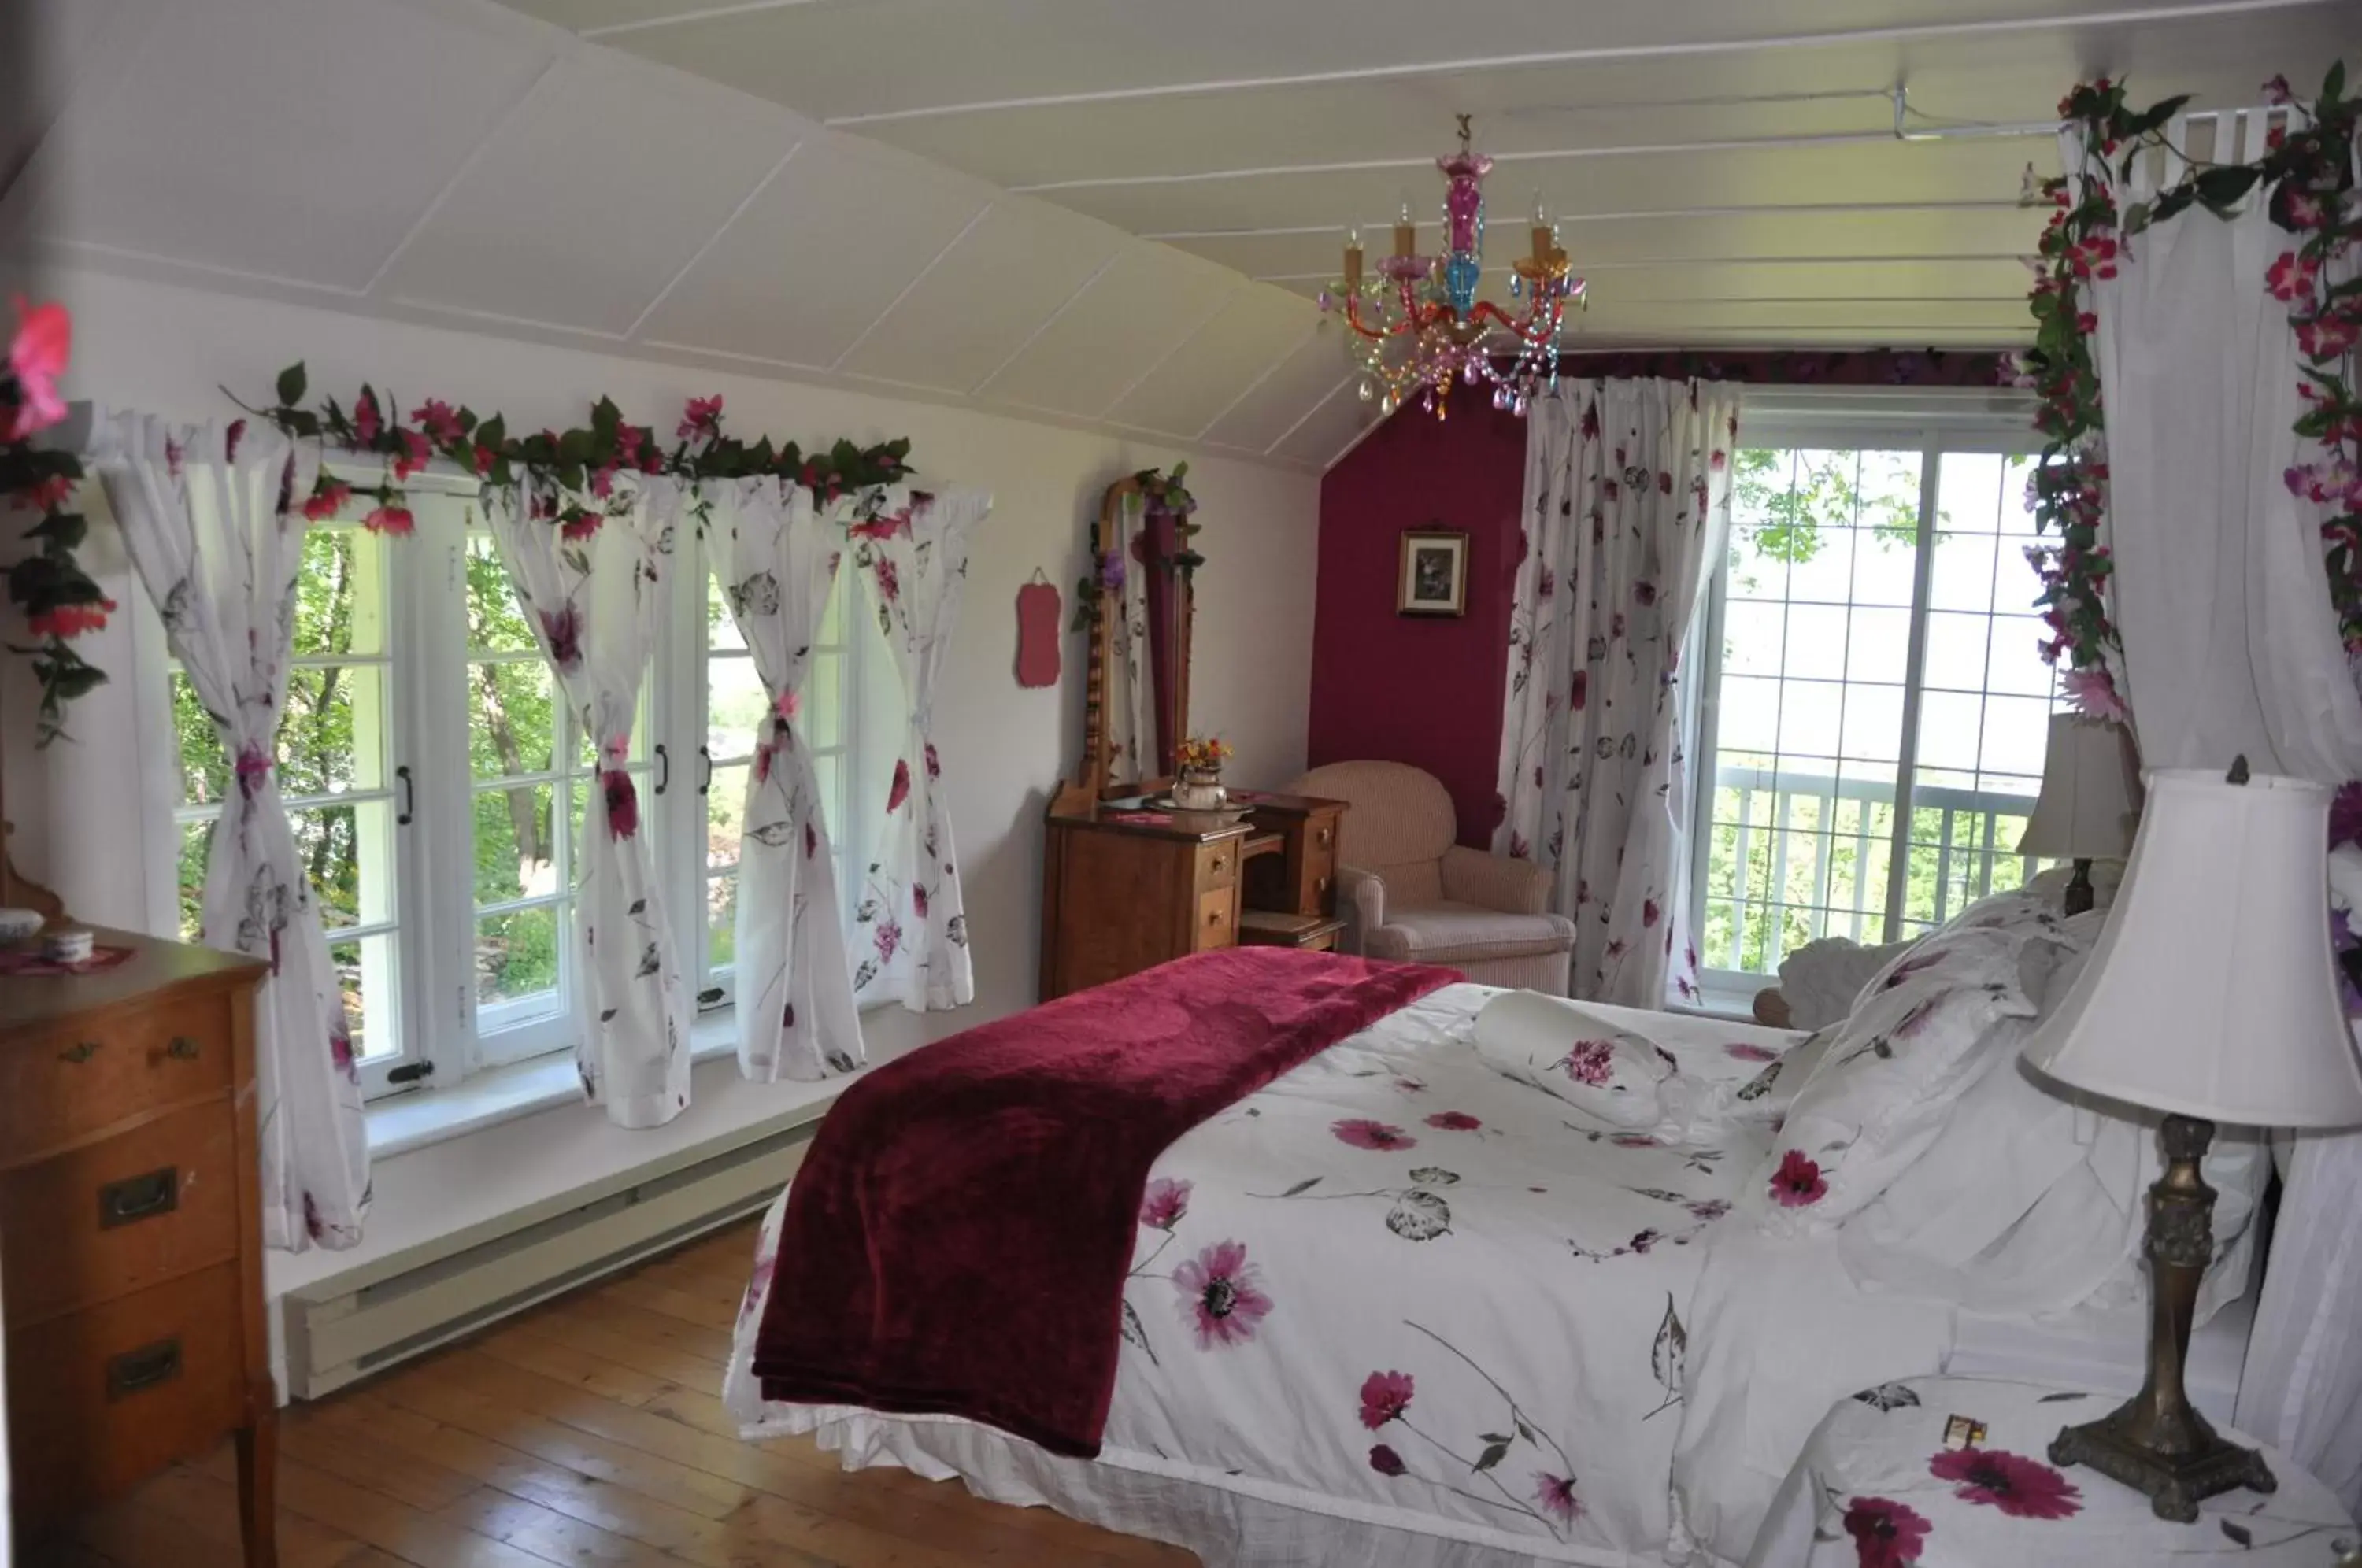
{"x":1408,"y":689}
{"x":1429,"y":693}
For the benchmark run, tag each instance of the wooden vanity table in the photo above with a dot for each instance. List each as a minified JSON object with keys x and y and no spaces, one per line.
{"x":1125,"y":886}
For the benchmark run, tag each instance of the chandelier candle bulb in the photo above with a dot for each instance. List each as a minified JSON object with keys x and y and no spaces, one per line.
{"x":1352,"y":259}
{"x":1406,"y":234}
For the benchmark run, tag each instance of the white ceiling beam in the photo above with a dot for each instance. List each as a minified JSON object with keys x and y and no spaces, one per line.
{"x":1047,"y":322}
{"x":1915,"y":33}
{"x":1659,"y":263}
{"x":467,"y":166}
{"x":1546,"y":155}
{"x":896,"y":303}
{"x":1157,"y":364}
{"x":1767,"y":210}
{"x":1342,"y":384}
{"x":1268,"y":371}
{"x":682,"y":19}
{"x":711,"y":240}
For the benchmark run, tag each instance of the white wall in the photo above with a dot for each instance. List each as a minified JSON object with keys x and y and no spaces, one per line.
{"x":91,"y":814}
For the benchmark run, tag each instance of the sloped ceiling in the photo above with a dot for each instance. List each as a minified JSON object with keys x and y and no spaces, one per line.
{"x":457,"y":159}
{"x":1107,"y":212}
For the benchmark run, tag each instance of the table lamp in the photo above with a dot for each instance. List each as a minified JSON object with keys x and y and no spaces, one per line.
{"x":2210,"y":996}
{"x":2089,"y":799}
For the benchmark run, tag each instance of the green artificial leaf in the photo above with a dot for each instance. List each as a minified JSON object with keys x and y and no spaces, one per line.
{"x":79,"y":682}
{"x":2332,"y":88}
{"x":2223,"y":186}
{"x":290,"y":385}
{"x":492,"y":433}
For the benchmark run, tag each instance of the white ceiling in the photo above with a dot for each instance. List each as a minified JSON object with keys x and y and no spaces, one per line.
{"x":1111,"y":213}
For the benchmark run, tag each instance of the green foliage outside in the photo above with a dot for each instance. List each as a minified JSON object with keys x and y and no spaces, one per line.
{"x":515,"y":726}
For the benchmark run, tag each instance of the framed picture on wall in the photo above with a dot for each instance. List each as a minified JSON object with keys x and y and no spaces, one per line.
{"x":1434,"y":580}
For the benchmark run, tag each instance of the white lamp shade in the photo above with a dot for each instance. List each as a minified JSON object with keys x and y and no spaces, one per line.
{"x":2213,"y":991}
{"x":2090,"y":792}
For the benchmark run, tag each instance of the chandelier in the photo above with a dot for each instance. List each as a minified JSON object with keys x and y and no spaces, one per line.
{"x":1418,"y":327}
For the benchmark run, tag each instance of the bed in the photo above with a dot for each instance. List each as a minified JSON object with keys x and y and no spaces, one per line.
{"x":1421,"y":1301}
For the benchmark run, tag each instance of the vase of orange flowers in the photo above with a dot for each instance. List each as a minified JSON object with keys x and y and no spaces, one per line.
{"x":1199,"y":760}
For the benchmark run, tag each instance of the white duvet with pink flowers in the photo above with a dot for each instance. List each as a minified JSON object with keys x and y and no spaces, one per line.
{"x":1413,"y":1282}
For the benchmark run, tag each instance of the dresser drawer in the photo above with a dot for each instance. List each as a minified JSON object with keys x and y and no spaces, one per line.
{"x":66,"y":1083}
{"x":118,"y":1216}
{"x":98,"y":1399}
{"x":1218,"y":865}
{"x":1218,"y":920}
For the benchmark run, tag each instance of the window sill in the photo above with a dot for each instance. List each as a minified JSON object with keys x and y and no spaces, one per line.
{"x":403,"y":1123}
{"x":1727,"y":1003}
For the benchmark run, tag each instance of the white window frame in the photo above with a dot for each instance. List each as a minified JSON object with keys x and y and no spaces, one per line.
{"x":1850,"y":419}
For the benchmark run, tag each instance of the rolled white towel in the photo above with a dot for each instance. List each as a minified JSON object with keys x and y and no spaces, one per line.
{"x":1560,"y":1048}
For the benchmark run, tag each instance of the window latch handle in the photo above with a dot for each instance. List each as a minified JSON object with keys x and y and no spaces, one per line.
{"x":664,"y":767}
{"x":404,"y":814}
{"x":705,"y":783}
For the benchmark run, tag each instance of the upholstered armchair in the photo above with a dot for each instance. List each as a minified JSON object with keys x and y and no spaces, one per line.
{"x":1408,"y":892}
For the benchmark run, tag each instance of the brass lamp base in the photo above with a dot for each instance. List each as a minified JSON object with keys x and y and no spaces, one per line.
{"x":2158,"y":1445}
{"x":2122,"y":1447}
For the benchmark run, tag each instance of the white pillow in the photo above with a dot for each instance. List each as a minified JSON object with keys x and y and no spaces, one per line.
{"x":1881,"y":1091}
{"x":1552,"y":1044}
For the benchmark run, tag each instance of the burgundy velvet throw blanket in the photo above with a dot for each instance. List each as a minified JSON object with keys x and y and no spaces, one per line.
{"x":955,"y":1242}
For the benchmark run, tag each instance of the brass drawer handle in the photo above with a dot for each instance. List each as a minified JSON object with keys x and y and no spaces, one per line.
{"x":1215,"y":864}
{"x":81,"y":1051}
{"x":182,"y":1049}
{"x":1321,"y":838}
{"x":139,"y":1197}
{"x":146,"y":1367}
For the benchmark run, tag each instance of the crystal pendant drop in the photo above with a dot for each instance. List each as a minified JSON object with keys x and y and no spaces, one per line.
{"x":1369,"y":392}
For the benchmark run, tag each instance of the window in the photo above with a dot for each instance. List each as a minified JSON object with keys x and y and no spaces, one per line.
{"x":337,"y":743}
{"x":436,"y":781}
{"x":1875,"y":708}
{"x":735,"y":709}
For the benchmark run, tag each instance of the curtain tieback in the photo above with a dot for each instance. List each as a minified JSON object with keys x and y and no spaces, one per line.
{"x":622,"y":801}
{"x":253,"y":768}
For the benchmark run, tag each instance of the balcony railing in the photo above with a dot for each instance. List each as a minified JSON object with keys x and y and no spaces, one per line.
{"x":1958,"y":836}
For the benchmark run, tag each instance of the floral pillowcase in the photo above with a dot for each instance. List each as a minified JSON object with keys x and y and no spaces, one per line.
{"x":1879,"y":1095}
{"x":1575,"y":1055}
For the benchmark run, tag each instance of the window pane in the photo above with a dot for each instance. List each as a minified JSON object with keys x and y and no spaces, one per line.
{"x":1963,"y":577}
{"x":513,"y":718}
{"x":332,"y":735}
{"x":517,"y":964}
{"x":823,"y":710}
{"x":196,"y":843}
{"x":725,"y":806}
{"x":517,"y":844}
{"x":364,"y":969}
{"x":495,"y":625}
{"x":832,"y":615}
{"x":340,"y":594}
{"x":205,"y":768}
{"x":720,"y":920}
{"x":1968,"y":493}
{"x":1957,"y":650}
{"x":734,"y":706}
{"x":721,"y":631}
{"x":347,"y":853}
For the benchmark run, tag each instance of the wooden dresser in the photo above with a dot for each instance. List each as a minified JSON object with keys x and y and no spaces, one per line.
{"x":130,"y":1230}
{"x":1124,"y":890}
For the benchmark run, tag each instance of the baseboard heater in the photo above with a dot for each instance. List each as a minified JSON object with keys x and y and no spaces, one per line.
{"x":349,"y":1326}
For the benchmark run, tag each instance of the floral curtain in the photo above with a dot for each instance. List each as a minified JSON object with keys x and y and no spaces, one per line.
{"x":777,"y":559}
{"x":1130,"y":711}
{"x":911,"y":914}
{"x":1627,"y":503}
{"x":212,"y":516}
{"x":590,"y":588}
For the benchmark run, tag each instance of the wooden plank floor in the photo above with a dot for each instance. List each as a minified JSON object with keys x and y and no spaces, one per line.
{"x":587,"y":1432}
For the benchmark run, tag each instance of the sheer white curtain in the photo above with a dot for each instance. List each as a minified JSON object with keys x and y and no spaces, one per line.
{"x":913,"y":912}
{"x":591,"y":590}
{"x":775,"y":559}
{"x":211,"y":517}
{"x":1628,"y":504}
{"x":2230,"y":645}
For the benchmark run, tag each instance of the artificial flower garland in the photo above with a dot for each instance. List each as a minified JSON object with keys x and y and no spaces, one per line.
{"x":2307,"y":171}
{"x":60,"y":601}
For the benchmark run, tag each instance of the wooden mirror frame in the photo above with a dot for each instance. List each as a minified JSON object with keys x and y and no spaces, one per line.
{"x":1094,"y":777}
